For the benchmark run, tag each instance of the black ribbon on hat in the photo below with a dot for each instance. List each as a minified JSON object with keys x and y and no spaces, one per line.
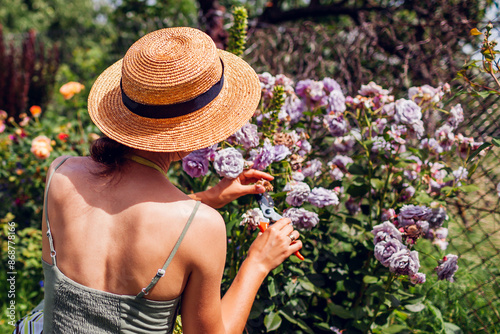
{"x":176,"y":109}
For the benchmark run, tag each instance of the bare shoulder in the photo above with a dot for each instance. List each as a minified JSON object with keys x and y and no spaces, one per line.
{"x":207,"y":234}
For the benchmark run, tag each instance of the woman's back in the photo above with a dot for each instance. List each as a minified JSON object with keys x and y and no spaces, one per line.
{"x":112,"y":234}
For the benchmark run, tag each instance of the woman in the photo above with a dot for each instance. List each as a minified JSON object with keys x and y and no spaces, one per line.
{"x":123,"y":246}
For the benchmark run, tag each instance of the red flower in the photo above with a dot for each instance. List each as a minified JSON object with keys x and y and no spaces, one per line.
{"x":63,"y":136}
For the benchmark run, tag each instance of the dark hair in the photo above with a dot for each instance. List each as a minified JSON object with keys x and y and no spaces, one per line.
{"x":109,"y":153}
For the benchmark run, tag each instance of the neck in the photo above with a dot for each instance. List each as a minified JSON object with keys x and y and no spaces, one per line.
{"x":162,"y":159}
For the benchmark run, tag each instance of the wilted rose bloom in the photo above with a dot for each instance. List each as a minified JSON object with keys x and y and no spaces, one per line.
{"x":195,"y":164}
{"x":280,"y":153}
{"x":336,"y":102}
{"x":301,"y":218}
{"x":41,"y":147}
{"x":35,"y":111}
{"x":71,"y":88}
{"x":264,"y":156}
{"x":410,"y":214}
{"x":298,"y":193}
{"x":341,"y":161}
{"x":456,"y":116}
{"x":229,"y":163}
{"x":407,"y":112}
{"x":252,"y":218}
{"x":336,"y":125}
{"x":372,"y":89}
{"x":387,"y":230}
{"x":247,"y":136}
{"x":383,"y":250}
{"x":418,"y":278}
{"x":312,"y":168}
{"x":404,"y":262}
{"x":447,"y":268}
{"x":322,"y":197}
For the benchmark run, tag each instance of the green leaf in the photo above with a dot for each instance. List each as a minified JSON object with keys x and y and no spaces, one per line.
{"x":296,"y":321}
{"x":450,"y":328}
{"x":437,"y":313}
{"x":271,"y":287}
{"x":307,"y":285}
{"x":476,"y":152}
{"x":469,"y":188}
{"x":393,"y":329}
{"x":357,"y":191}
{"x":496,"y":141}
{"x":370,"y":279}
{"x":272,"y":321}
{"x":339,"y":311}
{"x":377,"y":184}
{"x":423,"y":198}
{"x":415,"y":307}
{"x":356,"y":169}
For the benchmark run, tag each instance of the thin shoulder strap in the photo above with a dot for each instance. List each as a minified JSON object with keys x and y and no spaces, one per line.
{"x":161,"y":272}
{"x":45,"y":205}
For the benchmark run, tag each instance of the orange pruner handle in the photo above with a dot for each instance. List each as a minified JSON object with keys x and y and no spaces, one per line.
{"x":264,"y":225}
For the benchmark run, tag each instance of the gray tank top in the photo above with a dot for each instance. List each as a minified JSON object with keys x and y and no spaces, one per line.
{"x":71,"y":307}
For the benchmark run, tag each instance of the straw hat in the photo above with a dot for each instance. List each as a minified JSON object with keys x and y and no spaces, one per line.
{"x":174,"y":91}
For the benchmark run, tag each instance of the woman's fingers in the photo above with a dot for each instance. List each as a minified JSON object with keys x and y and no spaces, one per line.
{"x":253,"y":175}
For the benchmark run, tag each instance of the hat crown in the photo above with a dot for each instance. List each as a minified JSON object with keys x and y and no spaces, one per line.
{"x":170,"y":66}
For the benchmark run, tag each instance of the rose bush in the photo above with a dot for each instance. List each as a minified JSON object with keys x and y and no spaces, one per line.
{"x":365,"y":180}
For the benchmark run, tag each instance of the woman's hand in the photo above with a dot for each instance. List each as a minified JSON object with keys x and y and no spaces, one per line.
{"x":227,"y":190}
{"x":274,"y":245}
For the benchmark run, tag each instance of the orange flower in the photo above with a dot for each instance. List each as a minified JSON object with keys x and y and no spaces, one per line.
{"x":63,"y":136}
{"x":71,"y":88}
{"x":40,"y":147}
{"x":35,"y":111}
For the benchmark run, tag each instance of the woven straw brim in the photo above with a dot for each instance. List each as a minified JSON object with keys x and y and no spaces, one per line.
{"x":222,"y":117}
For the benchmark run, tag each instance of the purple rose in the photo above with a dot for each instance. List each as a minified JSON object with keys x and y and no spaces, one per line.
{"x":331,"y":85}
{"x":229,"y":163}
{"x":293,"y":108}
{"x":336,"y":125}
{"x":247,"y":136}
{"x":404,"y":262}
{"x":298,"y":193}
{"x":312,"y":168}
{"x":195,"y":164}
{"x":418,"y":278}
{"x":321,"y":197}
{"x":447,"y":267}
{"x":407,"y":112}
{"x":341,"y":161}
{"x":336,"y":102}
{"x":445,"y":137}
{"x":385,"y":249}
{"x":298,"y":176}
{"x":264,"y":156}
{"x":302,"y":218}
{"x":387,"y":230}
{"x":437,"y":216}
{"x":410,"y":214}
{"x":431,"y":145}
{"x":280,"y":153}
{"x":353,"y":206}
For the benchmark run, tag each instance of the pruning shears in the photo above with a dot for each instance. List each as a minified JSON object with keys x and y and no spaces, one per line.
{"x":266,"y":204}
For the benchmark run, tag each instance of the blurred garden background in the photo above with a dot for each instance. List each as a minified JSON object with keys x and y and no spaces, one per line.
{"x":51,"y":51}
